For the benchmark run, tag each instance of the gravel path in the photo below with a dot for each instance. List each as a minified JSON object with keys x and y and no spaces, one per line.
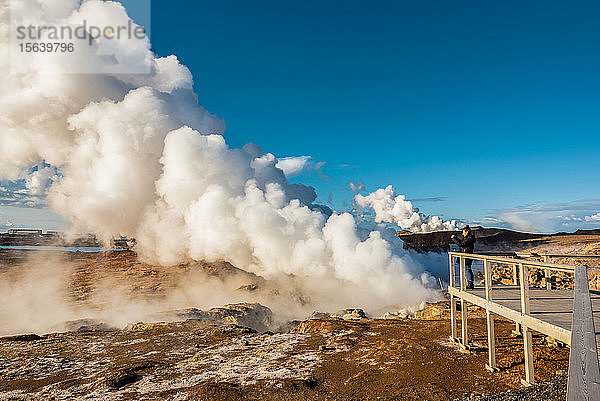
{"x":551,"y":390}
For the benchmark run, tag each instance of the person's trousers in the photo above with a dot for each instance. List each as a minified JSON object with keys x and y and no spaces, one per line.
{"x":469,"y":271}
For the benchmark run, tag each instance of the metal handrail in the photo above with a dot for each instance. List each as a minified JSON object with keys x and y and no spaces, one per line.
{"x":514,"y":261}
{"x":524,"y":322}
{"x":558,"y":255}
{"x":574,"y":256}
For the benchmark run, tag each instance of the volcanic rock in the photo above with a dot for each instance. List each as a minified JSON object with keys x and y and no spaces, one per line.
{"x":88,"y":325}
{"x":253,"y":315}
{"x":401,"y":314}
{"x":23,"y":337}
{"x":180,"y":314}
{"x":319,"y":315}
{"x":434,"y":311}
{"x":351,"y":313}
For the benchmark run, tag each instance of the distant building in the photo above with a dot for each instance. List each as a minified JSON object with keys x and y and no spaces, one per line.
{"x":24,"y":231}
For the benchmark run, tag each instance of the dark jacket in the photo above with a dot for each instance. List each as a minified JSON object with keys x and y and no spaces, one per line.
{"x":467,"y":243}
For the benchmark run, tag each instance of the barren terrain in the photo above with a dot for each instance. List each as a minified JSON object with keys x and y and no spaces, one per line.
{"x":243,"y":351}
{"x":326,"y":358}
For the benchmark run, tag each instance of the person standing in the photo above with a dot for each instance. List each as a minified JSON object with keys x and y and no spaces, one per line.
{"x":466,"y":243}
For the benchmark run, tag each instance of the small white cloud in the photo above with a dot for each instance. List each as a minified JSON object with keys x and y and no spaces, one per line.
{"x":292,"y":166}
{"x":571,"y":218}
{"x":550,"y":217}
{"x":485,"y":220}
{"x":295,"y":165}
{"x":594,"y":217}
{"x":356,"y":187}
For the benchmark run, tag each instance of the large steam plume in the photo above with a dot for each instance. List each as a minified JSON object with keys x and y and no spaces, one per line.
{"x":138,"y":156}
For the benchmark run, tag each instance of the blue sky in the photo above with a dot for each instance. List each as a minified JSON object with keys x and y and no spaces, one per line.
{"x":489,"y":107}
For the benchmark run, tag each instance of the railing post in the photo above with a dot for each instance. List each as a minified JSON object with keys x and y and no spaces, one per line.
{"x":528,"y":345}
{"x":463,"y":305}
{"x":546,"y":259}
{"x":453,"y":329}
{"x":463,"y":274}
{"x":487,"y":272}
{"x":452,"y":270}
{"x":524,"y":285}
{"x":527,"y":338}
{"x":517,"y":330}
{"x":491,"y":365}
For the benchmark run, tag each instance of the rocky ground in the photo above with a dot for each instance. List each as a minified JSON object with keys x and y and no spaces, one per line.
{"x":553,"y":389}
{"x":207,"y":357}
{"x":242,"y":350}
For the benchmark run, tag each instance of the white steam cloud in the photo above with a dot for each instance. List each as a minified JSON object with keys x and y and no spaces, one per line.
{"x":138,"y":156}
{"x":397,"y":210}
{"x":40,"y":180}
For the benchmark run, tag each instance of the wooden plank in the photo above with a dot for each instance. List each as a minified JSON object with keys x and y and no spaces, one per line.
{"x":584,"y":374}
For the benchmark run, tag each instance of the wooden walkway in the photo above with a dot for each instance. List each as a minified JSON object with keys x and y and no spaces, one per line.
{"x":550,"y":306}
{"x":570,"y":316}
